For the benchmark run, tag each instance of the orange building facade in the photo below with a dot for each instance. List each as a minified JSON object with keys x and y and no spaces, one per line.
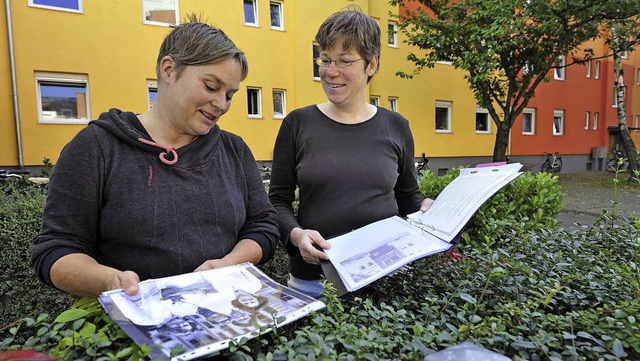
{"x":575,"y":113}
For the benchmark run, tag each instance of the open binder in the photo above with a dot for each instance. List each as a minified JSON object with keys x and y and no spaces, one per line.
{"x":198,"y":314}
{"x":371,"y":252}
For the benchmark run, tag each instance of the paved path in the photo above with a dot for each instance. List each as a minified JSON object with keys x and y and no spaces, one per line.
{"x":586,"y":196}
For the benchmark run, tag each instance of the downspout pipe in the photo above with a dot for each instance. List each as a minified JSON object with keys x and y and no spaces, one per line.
{"x":14,"y":85}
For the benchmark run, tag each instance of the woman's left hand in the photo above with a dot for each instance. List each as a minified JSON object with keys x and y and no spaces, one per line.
{"x":426,"y":204}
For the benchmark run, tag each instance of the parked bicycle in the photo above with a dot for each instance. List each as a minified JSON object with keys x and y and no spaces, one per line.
{"x":422,"y":164}
{"x":553,"y":163}
{"x":619,"y":163}
{"x":265,"y":173}
{"x":6,"y":174}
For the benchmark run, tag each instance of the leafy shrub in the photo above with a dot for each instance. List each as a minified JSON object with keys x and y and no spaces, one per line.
{"x":530,"y":201}
{"x":546,"y":295}
{"x":532,"y":293}
{"x":21,"y":293}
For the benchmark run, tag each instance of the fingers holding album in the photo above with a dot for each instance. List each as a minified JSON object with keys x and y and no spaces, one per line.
{"x":426,"y":204}
{"x":128,"y":281}
{"x":311,"y":245}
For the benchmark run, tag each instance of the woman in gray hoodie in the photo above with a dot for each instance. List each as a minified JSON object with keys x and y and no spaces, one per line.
{"x":161,"y":193}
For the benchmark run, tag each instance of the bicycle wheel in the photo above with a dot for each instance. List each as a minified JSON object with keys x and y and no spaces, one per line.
{"x":557,"y":166}
{"x":546,"y":166}
{"x":612,"y":165}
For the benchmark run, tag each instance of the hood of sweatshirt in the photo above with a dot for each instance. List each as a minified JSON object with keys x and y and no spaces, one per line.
{"x":127,"y":127}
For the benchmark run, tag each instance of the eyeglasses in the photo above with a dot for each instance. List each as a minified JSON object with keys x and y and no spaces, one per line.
{"x":340,"y":63}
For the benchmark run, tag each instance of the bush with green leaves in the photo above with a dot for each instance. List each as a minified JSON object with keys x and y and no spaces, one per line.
{"x":21,"y":293}
{"x":532,"y":293}
{"x":530,"y":201}
{"x":540,"y":295}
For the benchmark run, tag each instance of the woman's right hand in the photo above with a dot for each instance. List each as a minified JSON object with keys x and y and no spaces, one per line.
{"x":82,"y":275}
{"x":311,"y":244}
{"x":127,"y":280}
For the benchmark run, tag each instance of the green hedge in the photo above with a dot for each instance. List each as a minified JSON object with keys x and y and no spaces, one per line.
{"x":524,"y":291}
{"x":531,"y":201}
{"x":21,"y":294}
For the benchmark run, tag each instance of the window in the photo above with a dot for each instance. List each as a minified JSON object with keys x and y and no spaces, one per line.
{"x":393,"y":104}
{"x":637,"y":121}
{"x":62,"y":98}
{"x":624,"y":55}
{"x":597,"y":70}
{"x":254,"y":104}
{"x":375,"y":100}
{"x":558,"y":73}
{"x":316,"y":67}
{"x":558,"y":122}
{"x":392,"y":30}
{"x":277,"y":20}
{"x":152,"y":91}
{"x":587,"y":116}
{"x":482,"y":120}
{"x":443,"y":117}
{"x":74,"y":6}
{"x":638,"y":77}
{"x":279,"y":103}
{"x":529,"y":121}
{"x":595,"y":120}
{"x":250,"y":13}
{"x":160,"y":12}
{"x":588,"y":64}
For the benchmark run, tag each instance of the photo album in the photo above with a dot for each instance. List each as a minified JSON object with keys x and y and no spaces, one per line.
{"x":198,"y":314}
{"x":371,"y":252}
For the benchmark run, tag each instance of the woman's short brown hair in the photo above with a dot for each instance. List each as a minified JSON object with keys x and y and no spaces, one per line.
{"x":355,"y":30}
{"x":197,"y":43}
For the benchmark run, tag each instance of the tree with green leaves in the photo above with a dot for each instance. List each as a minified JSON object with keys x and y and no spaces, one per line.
{"x":506,"y":47}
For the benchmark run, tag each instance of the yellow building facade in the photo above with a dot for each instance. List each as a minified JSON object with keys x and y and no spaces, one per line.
{"x":106,"y":52}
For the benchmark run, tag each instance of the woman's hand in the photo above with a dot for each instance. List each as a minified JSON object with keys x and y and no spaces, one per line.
{"x":82,"y":275}
{"x":127,"y":280}
{"x":311,"y":244}
{"x":426,"y":204}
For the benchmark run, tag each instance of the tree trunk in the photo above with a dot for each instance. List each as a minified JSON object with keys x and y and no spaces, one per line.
{"x":502,"y":141}
{"x":625,"y":138}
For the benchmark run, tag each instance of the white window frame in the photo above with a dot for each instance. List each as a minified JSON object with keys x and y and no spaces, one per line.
{"x":588,"y":68}
{"x":152,"y":85}
{"x":62,"y":78}
{"x":445,"y":105}
{"x":393,"y":104}
{"x":315,"y":51}
{"x":532,"y":113}
{"x":392,"y":34}
{"x":597,"y":70}
{"x":258,"y":104}
{"x":280,"y":6}
{"x":375,"y":100}
{"x":481,"y":110}
{"x":638,"y":77}
{"x":624,"y":55}
{"x":637,"y":121}
{"x":558,"y":114}
{"x":587,"y":117}
{"x":596,"y":118}
{"x":57,"y":8}
{"x":160,"y":23}
{"x":559,"y":72}
{"x":283,"y":97}
{"x":255,"y":13}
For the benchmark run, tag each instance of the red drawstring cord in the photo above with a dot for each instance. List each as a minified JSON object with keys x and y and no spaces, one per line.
{"x":163,"y":154}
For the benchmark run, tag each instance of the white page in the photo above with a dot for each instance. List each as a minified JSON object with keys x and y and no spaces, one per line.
{"x":373,"y":251}
{"x":457,"y":203}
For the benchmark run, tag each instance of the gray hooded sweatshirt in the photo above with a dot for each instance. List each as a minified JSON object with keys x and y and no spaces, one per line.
{"x":133,"y":204}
